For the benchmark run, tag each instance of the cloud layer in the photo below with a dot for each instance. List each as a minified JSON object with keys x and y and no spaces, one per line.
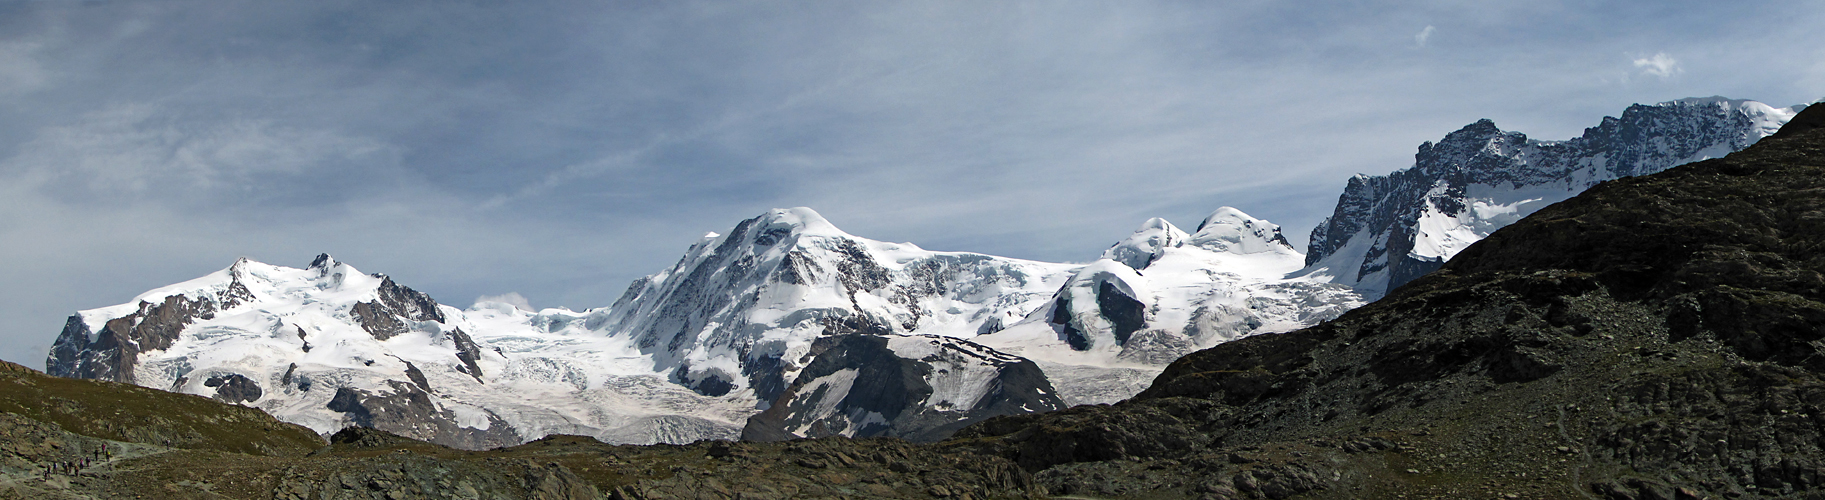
{"x":561,"y":149}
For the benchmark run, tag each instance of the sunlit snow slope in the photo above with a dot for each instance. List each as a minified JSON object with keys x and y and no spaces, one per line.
{"x":328,"y":346}
{"x":1162,"y":293}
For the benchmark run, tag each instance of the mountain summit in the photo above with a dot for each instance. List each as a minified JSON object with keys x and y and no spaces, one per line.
{"x":1388,"y":230}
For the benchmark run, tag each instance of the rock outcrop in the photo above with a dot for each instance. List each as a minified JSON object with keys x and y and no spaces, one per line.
{"x":920,"y":388}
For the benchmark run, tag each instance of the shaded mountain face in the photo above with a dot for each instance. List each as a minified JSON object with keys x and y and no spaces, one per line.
{"x":1388,"y":230}
{"x":1653,"y":337}
{"x":919,"y":388}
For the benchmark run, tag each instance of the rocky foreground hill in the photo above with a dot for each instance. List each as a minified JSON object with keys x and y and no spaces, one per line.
{"x":1654,"y":337}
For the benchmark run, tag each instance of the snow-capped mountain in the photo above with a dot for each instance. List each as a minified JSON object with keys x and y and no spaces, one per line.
{"x":759,"y":295}
{"x":1162,"y":293}
{"x":1387,"y":230}
{"x":786,"y":326}
{"x":686,"y":354}
{"x":328,"y":346}
{"x":918,"y":387}
{"x":742,"y":312}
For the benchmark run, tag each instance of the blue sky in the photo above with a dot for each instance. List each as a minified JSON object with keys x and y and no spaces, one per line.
{"x":561,"y":149}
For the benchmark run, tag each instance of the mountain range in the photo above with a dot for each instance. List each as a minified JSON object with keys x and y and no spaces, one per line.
{"x":787,"y":327}
{"x":1654,"y":337}
{"x":1388,"y":230}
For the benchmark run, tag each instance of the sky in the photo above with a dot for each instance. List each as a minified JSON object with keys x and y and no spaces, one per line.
{"x":559,"y":150}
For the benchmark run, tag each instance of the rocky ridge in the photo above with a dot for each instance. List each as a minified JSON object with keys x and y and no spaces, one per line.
{"x":1653,"y":337}
{"x":1388,"y":230}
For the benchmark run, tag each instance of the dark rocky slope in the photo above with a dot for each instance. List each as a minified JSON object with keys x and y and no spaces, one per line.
{"x":127,"y":413}
{"x":1654,"y":337}
{"x":175,"y":446}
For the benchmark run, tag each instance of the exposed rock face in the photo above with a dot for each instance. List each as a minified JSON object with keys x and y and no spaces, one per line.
{"x":468,"y":353}
{"x":112,"y":351}
{"x":409,"y":410}
{"x":1388,"y":230}
{"x":387,"y":317}
{"x":1653,"y":337}
{"x":1099,"y":307}
{"x":234,"y":388}
{"x":919,"y":388}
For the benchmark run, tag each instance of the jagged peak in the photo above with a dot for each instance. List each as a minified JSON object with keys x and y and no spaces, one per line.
{"x":323,"y":261}
{"x":1753,"y":109}
{"x":1231,"y":230}
{"x":1716,"y":99}
{"x":1725,"y":102}
{"x":1480,"y":130}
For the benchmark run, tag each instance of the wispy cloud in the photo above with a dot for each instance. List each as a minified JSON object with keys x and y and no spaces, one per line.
{"x":1660,"y":65}
{"x":1424,"y":36}
{"x":143,"y":149}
